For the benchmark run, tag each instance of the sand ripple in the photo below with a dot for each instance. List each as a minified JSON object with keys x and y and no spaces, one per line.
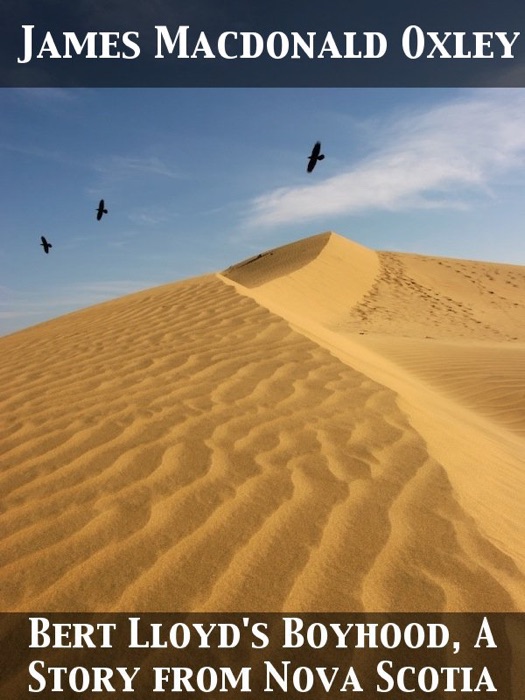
{"x":187,"y":448}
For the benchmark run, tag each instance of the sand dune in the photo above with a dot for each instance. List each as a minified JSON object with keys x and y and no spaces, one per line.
{"x":321,"y":427}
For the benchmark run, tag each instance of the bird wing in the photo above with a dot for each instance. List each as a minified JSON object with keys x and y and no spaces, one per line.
{"x":316,"y":149}
{"x":311,"y":165}
{"x":44,"y":242}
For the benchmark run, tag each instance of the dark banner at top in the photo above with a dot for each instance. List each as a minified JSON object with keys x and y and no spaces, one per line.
{"x":334,"y":43}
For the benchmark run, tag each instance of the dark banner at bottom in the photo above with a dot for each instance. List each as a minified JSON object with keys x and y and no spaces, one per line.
{"x":336,"y":655}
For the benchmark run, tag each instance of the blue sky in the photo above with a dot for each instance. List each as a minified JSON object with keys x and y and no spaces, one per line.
{"x":197,"y":179}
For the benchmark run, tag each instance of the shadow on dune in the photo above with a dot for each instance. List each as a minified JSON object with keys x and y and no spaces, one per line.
{"x":277,"y":262}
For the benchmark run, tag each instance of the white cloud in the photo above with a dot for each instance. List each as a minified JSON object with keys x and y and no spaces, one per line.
{"x":38,"y":152}
{"x":119,"y":167}
{"x":150,"y":215}
{"x":48,"y":95}
{"x":428,"y":159}
{"x":114,"y":170}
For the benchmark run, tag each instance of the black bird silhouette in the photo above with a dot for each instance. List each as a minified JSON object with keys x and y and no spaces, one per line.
{"x":46,"y":246}
{"x":314,"y":156}
{"x":101,"y":210}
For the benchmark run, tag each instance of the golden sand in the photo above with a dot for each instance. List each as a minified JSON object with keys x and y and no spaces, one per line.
{"x":320,"y":428}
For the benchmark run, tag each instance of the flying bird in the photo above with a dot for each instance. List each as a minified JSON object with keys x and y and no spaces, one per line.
{"x":314,"y":156}
{"x":101,"y":210}
{"x":45,"y":245}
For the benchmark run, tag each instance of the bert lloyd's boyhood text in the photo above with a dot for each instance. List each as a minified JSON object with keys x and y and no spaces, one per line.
{"x":227,"y":635}
{"x":185,"y":43}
